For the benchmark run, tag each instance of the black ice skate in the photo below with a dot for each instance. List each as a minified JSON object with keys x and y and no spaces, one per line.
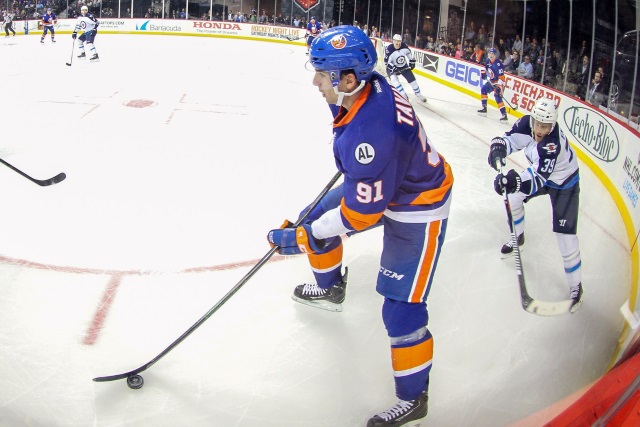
{"x":327,"y":299}
{"x":483,"y":110}
{"x":421,"y":97}
{"x":507,"y":248}
{"x":82,"y":55}
{"x":409,"y":413}
{"x":504,"y":119}
{"x":94,"y":58}
{"x":576,"y":296}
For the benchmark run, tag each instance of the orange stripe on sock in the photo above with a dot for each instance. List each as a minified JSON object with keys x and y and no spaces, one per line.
{"x":328,"y":260}
{"x":405,"y":358}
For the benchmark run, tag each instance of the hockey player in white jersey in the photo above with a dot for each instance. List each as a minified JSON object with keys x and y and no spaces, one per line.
{"x":89,"y":25}
{"x":554,"y":172}
{"x":399,"y":61}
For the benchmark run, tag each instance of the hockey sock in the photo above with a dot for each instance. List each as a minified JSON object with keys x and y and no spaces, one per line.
{"x":570,"y":251}
{"x":411,"y":346}
{"x":517,"y":212}
{"x":327,"y":264}
{"x":415,"y":87}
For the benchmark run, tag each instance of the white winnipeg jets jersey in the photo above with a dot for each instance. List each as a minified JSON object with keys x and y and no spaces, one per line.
{"x":398,"y":57}
{"x":553,"y":162}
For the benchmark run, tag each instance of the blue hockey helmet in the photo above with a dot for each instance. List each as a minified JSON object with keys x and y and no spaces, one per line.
{"x":343,"y":48}
{"x":493,"y":50}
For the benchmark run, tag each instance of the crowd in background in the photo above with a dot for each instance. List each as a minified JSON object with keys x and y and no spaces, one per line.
{"x":526,"y":58}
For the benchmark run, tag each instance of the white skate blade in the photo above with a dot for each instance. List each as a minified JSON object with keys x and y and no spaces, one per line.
{"x":323,"y":305}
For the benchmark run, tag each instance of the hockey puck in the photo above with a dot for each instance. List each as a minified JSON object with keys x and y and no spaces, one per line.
{"x":135,"y":381}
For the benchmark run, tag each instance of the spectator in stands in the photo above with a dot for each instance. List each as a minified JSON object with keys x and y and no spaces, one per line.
{"x":583,"y":77}
{"x":517,"y":44}
{"x":471,"y":33}
{"x":512,"y":62}
{"x":407,"y":38}
{"x":478,"y":55}
{"x":525,"y":70}
{"x":526,"y":46}
{"x":596,"y":95}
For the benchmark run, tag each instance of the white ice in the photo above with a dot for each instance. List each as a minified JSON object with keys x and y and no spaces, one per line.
{"x":166,"y":208}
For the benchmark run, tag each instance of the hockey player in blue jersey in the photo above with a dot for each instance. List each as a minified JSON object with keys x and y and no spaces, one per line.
{"x":314,"y":28}
{"x":494,"y":74}
{"x":400,"y":62}
{"x":554,"y":172}
{"x":49,"y":19}
{"x":393,"y":177}
{"x":89,"y":25}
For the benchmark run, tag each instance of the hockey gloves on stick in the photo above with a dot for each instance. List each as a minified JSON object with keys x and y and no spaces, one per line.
{"x":509,"y":182}
{"x":294,"y":241}
{"x":412,"y":64}
{"x":391,"y":69}
{"x":498,"y":153}
{"x":74,"y":35}
{"x":483,"y":75}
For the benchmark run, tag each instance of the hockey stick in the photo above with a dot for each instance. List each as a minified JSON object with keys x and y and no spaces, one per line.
{"x":135,"y":381}
{"x":73,"y":46}
{"x":535,"y":306}
{"x":504,"y":98}
{"x":41,"y":182}
{"x":294,"y":38}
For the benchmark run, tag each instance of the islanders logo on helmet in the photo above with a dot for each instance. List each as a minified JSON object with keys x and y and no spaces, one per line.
{"x":339,"y":41}
{"x":343,"y":48}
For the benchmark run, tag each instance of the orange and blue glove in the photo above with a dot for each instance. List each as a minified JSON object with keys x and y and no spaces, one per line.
{"x":293,"y":241}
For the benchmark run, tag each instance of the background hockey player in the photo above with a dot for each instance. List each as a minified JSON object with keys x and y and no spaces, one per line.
{"x":553,"y":172}
{"x":49,"y":19}
{"x":8,"y":23}
{"x":395,"y":179}
{"x":314,"y":28}
{"x":494,"y":74}
{"x":89,"y":25}
{"x":399,"y":61}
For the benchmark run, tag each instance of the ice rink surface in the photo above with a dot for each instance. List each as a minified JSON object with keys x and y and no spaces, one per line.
{"x":181,"y":153}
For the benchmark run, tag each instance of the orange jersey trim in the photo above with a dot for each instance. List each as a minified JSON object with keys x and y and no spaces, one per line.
{"x":357,"y":220}
{"x":344,"y":119}
{"x":430,"y":197}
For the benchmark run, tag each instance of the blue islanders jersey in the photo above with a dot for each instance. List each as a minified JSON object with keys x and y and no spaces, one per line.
{"x":314,"y":28}
{"x":49,"y":19}
{"x":495,"y":72}
{"x":390,"y":166}
{"x":553,"y":162}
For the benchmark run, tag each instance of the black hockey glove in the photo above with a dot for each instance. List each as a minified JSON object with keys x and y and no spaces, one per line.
{"x":412,"y":64}
{"x":391,"y":69}
{"x":74,"y":35}
{"x":483,"y":75}
{"x":509,"y":182}
{"x":498,"y":152}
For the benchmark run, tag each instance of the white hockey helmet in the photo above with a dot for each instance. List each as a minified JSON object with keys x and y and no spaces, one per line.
{"x":397,"y":37}
{"x":84,"y":9}
{"x":544,"y":111}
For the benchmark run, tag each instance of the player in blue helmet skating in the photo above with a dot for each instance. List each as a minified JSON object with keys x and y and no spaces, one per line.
{"x":314,"y":28}
{"x":393,"y":177}
{"x":49,"y":20}
{"x":494,"y":74}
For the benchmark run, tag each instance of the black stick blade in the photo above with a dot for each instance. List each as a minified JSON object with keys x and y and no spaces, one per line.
{"x":56,"y":179}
